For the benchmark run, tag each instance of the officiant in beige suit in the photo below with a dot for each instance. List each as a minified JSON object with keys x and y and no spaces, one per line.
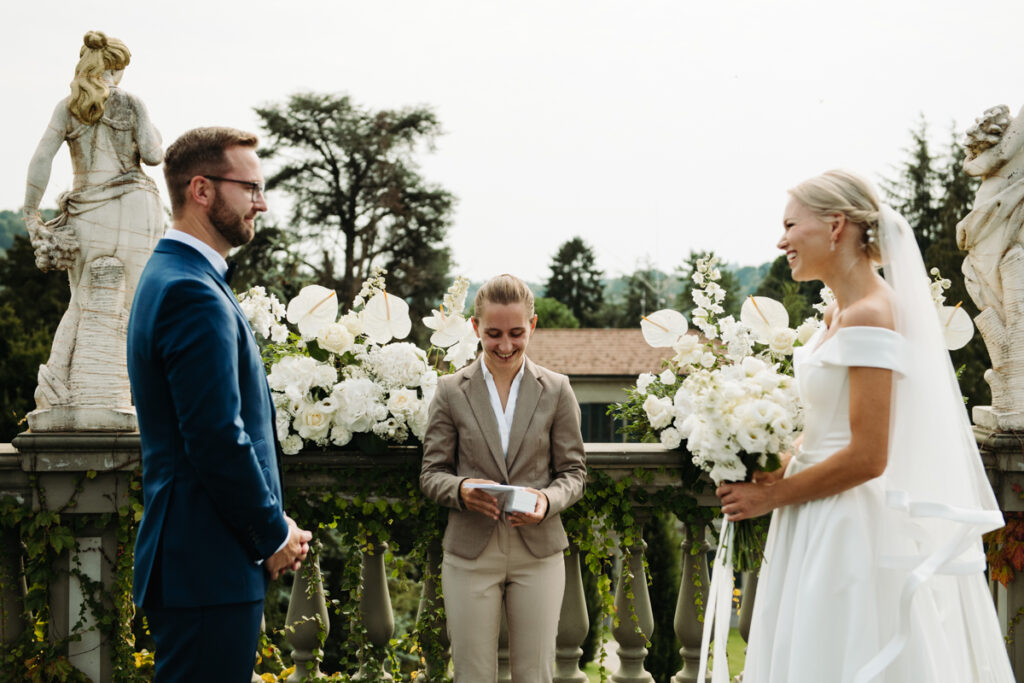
{"x":505,"y":420}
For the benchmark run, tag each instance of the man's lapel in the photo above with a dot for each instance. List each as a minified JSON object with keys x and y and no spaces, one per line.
{"x":480,"y":402}
{"x":530,"y":390}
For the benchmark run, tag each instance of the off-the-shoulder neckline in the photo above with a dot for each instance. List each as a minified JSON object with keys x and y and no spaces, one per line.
{"x":835,"y":334}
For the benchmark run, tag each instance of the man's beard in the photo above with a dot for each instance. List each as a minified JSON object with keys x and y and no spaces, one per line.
{"x":229,"y":224}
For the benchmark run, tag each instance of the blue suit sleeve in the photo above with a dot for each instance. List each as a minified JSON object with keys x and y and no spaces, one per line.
{"x":197,"y":336}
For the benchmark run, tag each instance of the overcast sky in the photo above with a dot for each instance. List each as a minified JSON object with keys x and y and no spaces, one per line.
{"x":648,"y":128}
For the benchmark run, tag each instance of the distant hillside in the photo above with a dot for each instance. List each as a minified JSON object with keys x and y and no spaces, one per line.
{"x":10,"y":225}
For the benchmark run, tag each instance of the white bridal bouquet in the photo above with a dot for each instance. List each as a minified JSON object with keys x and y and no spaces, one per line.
{"x":334,"y":377}
{"x":729,"y":395}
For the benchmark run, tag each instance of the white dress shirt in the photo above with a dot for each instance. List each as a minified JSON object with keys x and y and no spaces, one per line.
{"x":504,"y":416}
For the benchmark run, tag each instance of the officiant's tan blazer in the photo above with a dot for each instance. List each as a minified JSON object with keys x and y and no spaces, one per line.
{"x":545,"y":452}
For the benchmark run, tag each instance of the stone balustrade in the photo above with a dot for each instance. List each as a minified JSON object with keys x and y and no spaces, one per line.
{"x":56,"y":466}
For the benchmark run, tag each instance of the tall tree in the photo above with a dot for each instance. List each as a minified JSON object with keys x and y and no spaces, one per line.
{"x":358,"y":199}
{"x":647,"y":290}
{"x":576,"y":281}
{"x":933,"y":193}
{"x":914,"y":191}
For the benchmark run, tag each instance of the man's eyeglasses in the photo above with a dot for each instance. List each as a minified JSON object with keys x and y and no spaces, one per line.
{"x":256,"y":188}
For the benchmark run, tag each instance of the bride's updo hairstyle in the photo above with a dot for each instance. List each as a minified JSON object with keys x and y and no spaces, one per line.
{"x":503,"y":289}
{"x":847,"y":193}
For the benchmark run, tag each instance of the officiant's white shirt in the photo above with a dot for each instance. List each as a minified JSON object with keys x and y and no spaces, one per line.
{"x":505,"y":416}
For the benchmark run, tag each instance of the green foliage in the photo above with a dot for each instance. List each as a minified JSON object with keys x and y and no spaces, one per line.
{"x":31,"y":305}
{"x":272,"y":260}
{"x":357,"y":195}
{"x":576,"y":281}
{"x":46,"y":535}
{"x":553,"y":314}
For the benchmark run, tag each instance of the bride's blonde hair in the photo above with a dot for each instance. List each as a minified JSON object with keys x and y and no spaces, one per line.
{"x":847,"y":193}
{"x":88,"y":91}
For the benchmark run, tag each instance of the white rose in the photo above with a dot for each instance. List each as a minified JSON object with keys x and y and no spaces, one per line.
{"x":358,"y":403}
{"x":340,"y":436}
{"x":780,"y":340}
{"x":292,"y":444}
{"x":659,"y":411}
{"x":707,"y":359}
{"x":643,"y":381}
{"x":313,"y":421}
{"x":335,"y":337}
{"x":402,"y":402}
{"x":418,"y":420}
{"x":670,"y":438}
{"x":353,"y":322}
{"x":667,"y":377}
{"x":806,"y":330}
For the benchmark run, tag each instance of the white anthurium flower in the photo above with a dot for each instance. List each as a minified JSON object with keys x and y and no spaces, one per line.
{"x":385,"y":317}
{"x":313,"y":308}
{"x":464,"y":351}
{"x":957,"y":327}
{"x":763,"y":316}
{"x":663,"y":328}
{"x":448,"y":329}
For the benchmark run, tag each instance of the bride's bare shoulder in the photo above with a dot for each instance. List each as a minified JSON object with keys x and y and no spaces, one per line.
{"x":874,"y":310}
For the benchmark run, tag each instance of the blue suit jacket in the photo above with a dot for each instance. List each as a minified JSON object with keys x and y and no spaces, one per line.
{"x":210,"y":474}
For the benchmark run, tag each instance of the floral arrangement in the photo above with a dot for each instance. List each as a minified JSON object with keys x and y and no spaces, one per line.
{"x":334,"y":377}
{"x":729,"y":394}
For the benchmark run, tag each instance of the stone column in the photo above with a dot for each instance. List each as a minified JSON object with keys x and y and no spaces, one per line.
{"x":1003,"y":455}
{"x":633,"y":598}
{"x":375,"y":610}
{"x":306,"y":619}
{"x":14,"y":487}
{"x":694,"y":586}
{"x":573,"y":624}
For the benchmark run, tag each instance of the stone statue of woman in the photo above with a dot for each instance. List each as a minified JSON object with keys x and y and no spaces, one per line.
{"x":108,"y":224}
{"x":993,"y":235}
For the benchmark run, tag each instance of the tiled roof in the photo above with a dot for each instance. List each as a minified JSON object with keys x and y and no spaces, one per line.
{"x":603,"y":352}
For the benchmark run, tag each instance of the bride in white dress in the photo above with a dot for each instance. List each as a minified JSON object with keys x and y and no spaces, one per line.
{"x":873,"y":569}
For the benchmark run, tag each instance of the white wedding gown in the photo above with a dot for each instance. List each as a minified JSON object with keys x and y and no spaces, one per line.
{"x":826,"y":605}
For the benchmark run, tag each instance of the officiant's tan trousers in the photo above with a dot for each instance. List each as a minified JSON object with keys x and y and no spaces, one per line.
{"x":532,"y":589}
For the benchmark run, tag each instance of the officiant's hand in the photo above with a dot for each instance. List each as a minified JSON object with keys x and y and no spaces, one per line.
{"x":536,"y":517}
{"x":745,"y":501}
{"x":477,"y":500}
{"x":292,"y":554}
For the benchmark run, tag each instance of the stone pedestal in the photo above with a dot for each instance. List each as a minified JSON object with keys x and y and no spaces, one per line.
{"x":1003,"y":455}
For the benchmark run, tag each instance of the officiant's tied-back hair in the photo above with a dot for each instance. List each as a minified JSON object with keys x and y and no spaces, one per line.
{"x":89,"y":92}
{"x":847,"y":193}
{"x":503,"y":289}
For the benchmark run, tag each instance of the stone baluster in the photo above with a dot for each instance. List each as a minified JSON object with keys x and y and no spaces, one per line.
{"x":306,"y":618}
{"x":504,"y":669}
{"x":436,"y":629}
{"x":747,"y":604}
{"x":573,"y":624}
{"x":375,"y":610}
{"x":632,"y":597}
{"x":693,"y":584}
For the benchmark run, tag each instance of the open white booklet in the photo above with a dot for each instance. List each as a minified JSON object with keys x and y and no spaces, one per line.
{"x":510,"y":498}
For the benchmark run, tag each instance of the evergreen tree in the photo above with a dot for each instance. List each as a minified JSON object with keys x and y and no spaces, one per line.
{"x":576,"y":281}
{"x":358,"y":197}
{"x":914,"y":192}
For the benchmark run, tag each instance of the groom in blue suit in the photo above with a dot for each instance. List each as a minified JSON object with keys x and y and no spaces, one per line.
{"x":213,"y":532}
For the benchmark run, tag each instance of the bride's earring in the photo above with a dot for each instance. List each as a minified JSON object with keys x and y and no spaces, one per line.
{"x":832,"y":245}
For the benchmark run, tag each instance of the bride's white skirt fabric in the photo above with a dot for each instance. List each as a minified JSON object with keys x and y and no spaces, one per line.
{"x":824,"y":608}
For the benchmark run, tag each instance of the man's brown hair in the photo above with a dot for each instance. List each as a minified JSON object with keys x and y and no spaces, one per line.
{"x":200,"y":151}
